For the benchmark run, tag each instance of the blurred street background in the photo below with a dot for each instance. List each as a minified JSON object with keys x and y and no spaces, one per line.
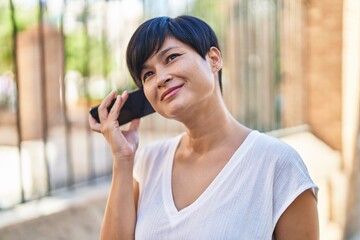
{"x":291,"y":69}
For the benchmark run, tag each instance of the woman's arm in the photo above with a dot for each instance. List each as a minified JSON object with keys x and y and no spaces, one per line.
{"x":120,"y":212}
{"x":300,"y":219}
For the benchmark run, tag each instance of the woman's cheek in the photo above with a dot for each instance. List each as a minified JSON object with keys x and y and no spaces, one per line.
{"x":151,"y":97}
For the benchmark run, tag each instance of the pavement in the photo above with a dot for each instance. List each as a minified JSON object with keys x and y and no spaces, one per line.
{"x":71,"y":215}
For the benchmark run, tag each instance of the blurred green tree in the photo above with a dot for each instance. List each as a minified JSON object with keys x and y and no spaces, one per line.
{"x":24,"y":19}
{"x":214,"y":13}
{"x":5,"y":39}
{"x":75,"y":53}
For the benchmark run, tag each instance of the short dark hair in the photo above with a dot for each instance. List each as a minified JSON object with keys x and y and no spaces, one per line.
{"x":150,"y":36}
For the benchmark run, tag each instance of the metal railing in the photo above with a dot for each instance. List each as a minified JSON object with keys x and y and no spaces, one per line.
{"x":59,"y":58}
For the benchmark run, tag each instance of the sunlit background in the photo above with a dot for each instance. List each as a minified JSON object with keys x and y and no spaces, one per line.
{"x":292,"y":69}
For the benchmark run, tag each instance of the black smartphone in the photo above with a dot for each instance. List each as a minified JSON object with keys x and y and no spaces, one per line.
{"x":136,"y":106}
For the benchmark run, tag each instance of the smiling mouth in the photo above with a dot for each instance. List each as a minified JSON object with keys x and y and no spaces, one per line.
{"x":171,"y":91}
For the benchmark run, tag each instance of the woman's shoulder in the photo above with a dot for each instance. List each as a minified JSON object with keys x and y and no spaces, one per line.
{"x":152,"y":156}
{"x":158,"y":149}
{"x":280,"y":159}
{"x":270,"y":150}
{"x":273,"y":145}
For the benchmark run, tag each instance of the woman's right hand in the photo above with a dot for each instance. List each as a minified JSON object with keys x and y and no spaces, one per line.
{"x":123,"y":144}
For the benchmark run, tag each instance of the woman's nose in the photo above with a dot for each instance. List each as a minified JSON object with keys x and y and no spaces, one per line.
{"x":163,"y":78}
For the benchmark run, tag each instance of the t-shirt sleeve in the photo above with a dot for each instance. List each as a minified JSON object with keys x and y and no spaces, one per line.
{"x":291,"y":179}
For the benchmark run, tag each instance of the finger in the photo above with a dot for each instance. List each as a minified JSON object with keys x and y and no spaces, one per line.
{"x":134,"y":125}
{"x":115,"y":110}
{"x":102,"y":109}
{"x":120,"y":100}
{"x":124,"y":96}
{"x":94,"y":125}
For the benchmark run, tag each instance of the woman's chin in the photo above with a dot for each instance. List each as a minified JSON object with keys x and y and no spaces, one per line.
{"x":173,"y":113}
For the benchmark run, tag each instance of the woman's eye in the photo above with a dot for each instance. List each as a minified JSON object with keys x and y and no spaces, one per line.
{"x":146,"y":75}
{"x":172,"y":57}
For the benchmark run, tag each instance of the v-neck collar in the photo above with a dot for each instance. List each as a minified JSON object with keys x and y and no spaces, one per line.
{"x":209,"y":191}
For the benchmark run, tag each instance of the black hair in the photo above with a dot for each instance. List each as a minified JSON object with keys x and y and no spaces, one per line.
{"x":150,"y":36}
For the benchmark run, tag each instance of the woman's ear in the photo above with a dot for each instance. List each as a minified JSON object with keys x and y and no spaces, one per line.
{"x":215,"y":57}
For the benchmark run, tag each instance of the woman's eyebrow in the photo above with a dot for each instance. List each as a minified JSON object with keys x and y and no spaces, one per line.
{"x":163,"y":52}
{"x":160,"y":54}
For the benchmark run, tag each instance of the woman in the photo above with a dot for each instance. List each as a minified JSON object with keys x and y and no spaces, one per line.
{"x":217,"y":180}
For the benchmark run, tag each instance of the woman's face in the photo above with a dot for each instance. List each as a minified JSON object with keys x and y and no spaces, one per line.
{"x":177,"y":78}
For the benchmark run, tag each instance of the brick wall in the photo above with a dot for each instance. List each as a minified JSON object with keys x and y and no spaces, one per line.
{"x":30,"y":83}
{"x":324,"y":64}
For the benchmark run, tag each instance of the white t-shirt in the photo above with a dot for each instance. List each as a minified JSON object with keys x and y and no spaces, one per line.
{"x":245,"y":201}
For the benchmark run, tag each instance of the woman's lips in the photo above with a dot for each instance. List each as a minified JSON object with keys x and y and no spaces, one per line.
{"x":170,"y":92}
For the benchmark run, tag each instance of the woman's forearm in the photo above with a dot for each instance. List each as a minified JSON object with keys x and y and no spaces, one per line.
{"x":120,"y":214}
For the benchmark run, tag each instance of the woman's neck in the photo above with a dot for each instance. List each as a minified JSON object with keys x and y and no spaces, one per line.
{"x":217,"y":129}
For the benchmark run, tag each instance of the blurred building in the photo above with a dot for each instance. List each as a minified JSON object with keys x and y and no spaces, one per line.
{"x":333,"y":88}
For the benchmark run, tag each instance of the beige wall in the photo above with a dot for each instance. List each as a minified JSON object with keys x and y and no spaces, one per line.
{"x":350,"y":107}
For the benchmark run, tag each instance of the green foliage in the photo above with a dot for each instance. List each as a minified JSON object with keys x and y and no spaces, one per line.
{"x":211,"y":12}
{"x":5,"y":40}
{"x":74,"y":48}
{"x":86,"y":54}
{"x":24,"y":19}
